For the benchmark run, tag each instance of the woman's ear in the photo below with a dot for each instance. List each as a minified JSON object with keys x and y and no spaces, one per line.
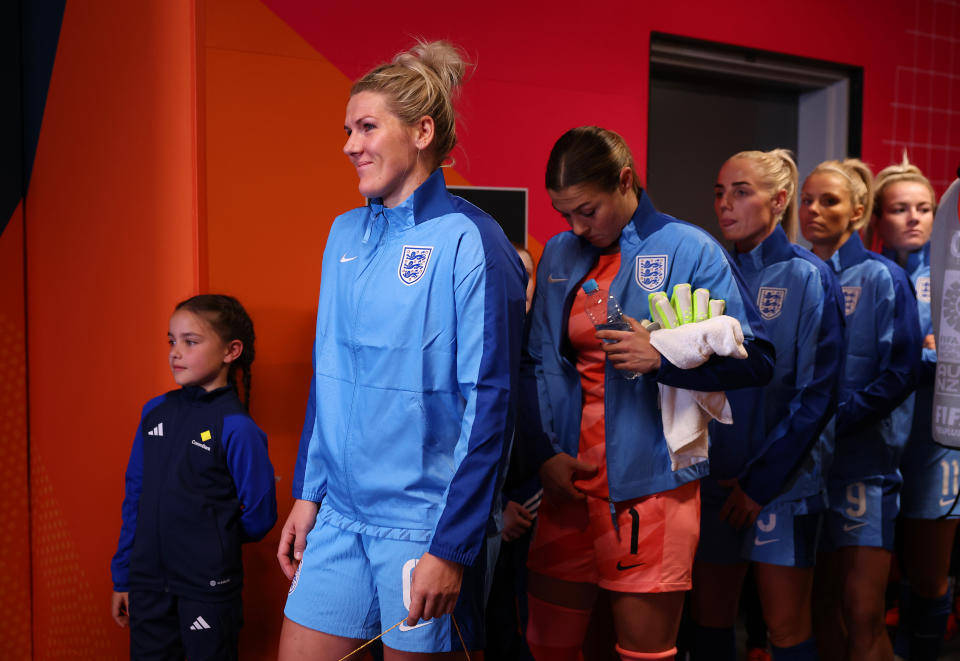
{"x":779,"y":202}
{"x":857,"y":214}
{"x":424,"y":133}
{"x":626,"y":180}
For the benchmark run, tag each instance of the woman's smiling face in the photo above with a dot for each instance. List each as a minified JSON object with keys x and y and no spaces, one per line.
{"x":381,"y":147}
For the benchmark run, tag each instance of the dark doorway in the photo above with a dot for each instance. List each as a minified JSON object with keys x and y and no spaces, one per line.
{"x":695,"y":125}
{"x":709,"y":101}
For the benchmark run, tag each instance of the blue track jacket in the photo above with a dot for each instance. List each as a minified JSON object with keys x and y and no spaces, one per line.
{"x":657,"y":252}
{"x":772,"y":448}
{"x":883,"y":345}
{"x":918,"y":270}
{"x":417,"y":353}
{"x":199,"y":483}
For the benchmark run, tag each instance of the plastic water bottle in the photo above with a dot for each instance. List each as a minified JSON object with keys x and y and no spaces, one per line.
{"x":605,"y":313}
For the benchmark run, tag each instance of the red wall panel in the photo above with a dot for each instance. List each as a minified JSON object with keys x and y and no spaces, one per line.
{"x":553,"y":66}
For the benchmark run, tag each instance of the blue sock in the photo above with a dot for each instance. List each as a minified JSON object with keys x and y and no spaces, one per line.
{"x":805,"y":651}
{"x":712,"y":644}
{"x":927,"y":623}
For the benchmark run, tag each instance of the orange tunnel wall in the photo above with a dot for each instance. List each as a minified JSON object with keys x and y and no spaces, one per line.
{"x":110,"y":246}
{"x":195,"y":145}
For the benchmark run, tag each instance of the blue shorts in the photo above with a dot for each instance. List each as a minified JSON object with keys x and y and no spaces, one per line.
{"x":862,"y":512}
{"x":931,"y":481}
{"x":785,"y":533}
{"x":355,"y":586}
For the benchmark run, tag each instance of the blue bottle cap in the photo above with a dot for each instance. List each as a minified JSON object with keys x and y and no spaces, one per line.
{"x":590,"y":286}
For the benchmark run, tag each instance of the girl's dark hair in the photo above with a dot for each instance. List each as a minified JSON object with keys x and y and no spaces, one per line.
{"x":231,"y":322}
{"x":590,"y":155}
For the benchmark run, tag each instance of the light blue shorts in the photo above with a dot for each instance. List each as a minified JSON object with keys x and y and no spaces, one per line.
{"x":862,"y":512}
{"x":785,"y":534}
{"x":931,"y":481}
{"x":355,"y":586}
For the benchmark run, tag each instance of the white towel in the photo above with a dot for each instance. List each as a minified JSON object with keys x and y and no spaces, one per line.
{"x":686,"y":413}
{"x":691,"y":345}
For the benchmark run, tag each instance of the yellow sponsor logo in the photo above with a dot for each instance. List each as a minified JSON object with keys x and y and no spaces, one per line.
{"x":205,"y":436}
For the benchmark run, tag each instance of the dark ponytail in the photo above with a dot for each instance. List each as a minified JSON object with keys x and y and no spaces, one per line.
{"x":231,"y":322}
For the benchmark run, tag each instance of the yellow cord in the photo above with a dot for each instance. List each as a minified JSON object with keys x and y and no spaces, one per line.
{"x":370,"y":642}
{"x":460,"y":635}
{"x":383,"y":633}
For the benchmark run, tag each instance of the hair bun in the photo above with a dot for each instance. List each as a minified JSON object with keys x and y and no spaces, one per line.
{"x":446,"y":61}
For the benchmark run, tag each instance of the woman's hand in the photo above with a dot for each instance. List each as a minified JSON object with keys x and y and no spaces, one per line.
{"x":630,"y":351}
{"x":930,"y":342}
{"x":293,"y":537}
{"x":120,"y":608}
{"x":558,"y":474}
{"x":434,"y":588}
{"x":740,"y":510}
{"x":517,"y":520}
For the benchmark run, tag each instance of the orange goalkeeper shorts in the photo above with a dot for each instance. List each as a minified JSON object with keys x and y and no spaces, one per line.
{"x":651,"y":548}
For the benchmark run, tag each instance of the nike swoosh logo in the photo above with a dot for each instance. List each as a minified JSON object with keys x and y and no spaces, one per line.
{"x":944,"y":502}
{"x":762,"y":542}
{"x":847,"y":527}
{"x":550,"y":278}
{"x":623,"y":567}
{"x":347,"y":259}
{"x":404,"y":627}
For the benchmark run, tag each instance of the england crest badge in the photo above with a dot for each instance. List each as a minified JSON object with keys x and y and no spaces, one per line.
{"x":770,"y":301}
{"x":651,"y":271}
{"x":413,"y":263}
{"x":851,"y":295}
{"x":923,"y":289}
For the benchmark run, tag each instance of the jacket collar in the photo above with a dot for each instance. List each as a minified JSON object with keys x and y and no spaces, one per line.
{"x":430,"y":200}
{"x":198,"y":394}
{"x":775,"y":248}
{"x":850,"y":253}
{"x":645,"y":221}
{"x":915,"y":260}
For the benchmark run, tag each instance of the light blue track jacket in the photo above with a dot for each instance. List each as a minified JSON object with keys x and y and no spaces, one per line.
{"x":417,"y":351}
{"x":773,"y":449}
{"x":883,"y":346}
{"x":657,"y":252}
